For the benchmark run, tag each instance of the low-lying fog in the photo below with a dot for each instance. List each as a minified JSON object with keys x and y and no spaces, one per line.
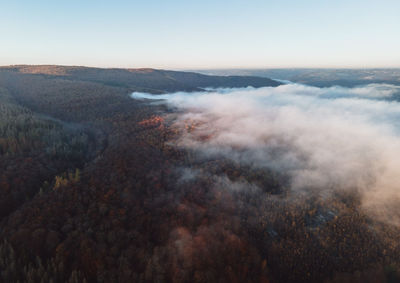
{"x":325,"y":139}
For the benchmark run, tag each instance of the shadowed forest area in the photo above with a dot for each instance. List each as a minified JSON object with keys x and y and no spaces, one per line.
{"x":93,"y":189}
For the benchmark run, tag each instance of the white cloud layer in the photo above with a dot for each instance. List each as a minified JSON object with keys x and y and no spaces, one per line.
{"x":325,"y":139}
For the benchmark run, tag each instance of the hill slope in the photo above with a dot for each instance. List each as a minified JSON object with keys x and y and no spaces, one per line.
{"x":150,"y":80}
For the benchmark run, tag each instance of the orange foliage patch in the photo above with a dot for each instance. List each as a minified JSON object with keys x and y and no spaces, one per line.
{"x":154,"y":121}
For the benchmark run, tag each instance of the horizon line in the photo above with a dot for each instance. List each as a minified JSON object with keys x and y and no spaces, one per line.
{"x":207,"y":68}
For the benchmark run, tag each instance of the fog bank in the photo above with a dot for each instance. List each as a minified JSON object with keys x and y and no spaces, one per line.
{"x":324,"y":139}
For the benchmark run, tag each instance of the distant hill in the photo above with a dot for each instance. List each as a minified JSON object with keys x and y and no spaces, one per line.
{"x":320,"y":77}
{"x":150,"y":80}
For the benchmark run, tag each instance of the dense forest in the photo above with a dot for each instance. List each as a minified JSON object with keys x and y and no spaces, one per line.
{"x":93,"y":189}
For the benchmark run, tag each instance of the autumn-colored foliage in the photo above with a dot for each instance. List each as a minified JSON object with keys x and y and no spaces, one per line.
{"x":92,"y":189}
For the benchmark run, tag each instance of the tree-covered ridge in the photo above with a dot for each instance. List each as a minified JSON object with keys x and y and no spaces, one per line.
{"x":151,"y":80}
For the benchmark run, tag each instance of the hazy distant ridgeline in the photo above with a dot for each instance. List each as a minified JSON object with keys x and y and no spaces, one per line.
{"x":150,"y":80}
{"x":320,"y":77}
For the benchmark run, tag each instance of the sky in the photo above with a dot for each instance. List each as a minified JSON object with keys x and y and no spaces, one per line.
{"x":178,"y":34}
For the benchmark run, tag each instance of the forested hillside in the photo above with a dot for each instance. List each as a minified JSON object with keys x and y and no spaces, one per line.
{"x":92,"y":189}
{"x":150,"y":80}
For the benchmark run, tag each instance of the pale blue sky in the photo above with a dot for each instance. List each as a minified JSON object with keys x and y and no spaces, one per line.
{"x":201,"y":34}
